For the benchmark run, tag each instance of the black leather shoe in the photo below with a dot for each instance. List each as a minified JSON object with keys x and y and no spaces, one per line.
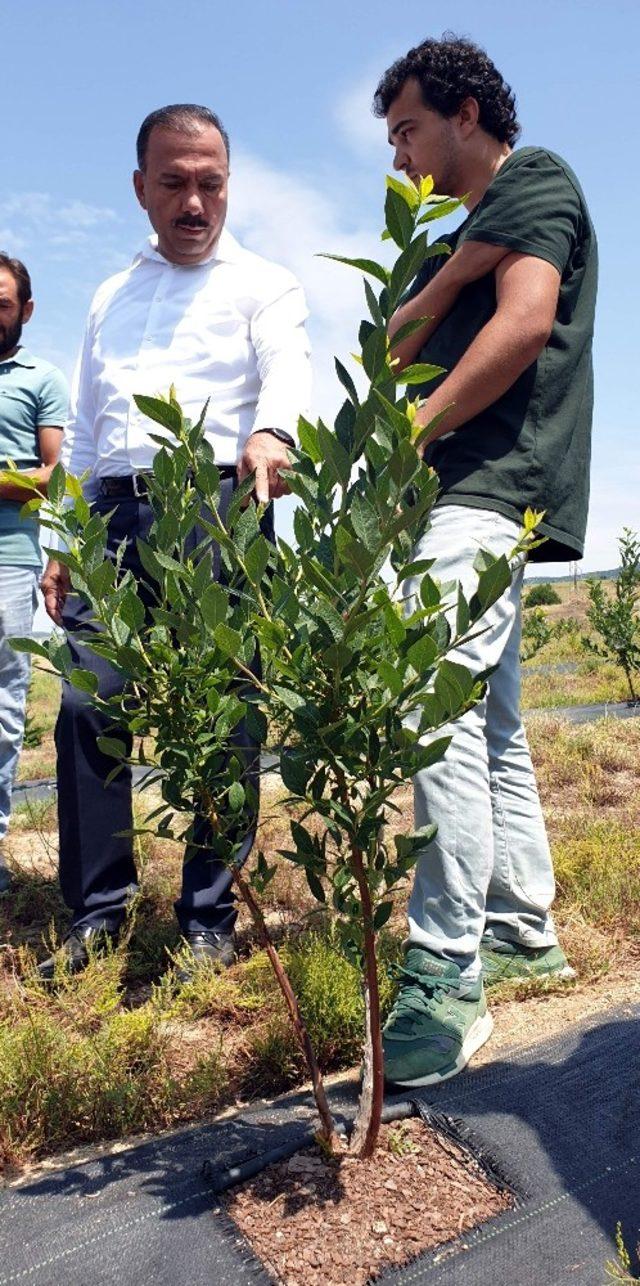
{"x":206,"y":948}
{"x":74,"y":951}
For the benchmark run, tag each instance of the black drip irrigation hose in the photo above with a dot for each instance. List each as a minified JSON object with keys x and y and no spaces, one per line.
{"x":450,"y":1127}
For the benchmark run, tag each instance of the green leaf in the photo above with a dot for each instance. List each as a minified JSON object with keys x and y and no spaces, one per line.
{"x":29,"y":645}
{"x":439,"y":211}
{"x":432,"y":753}
{"x":334,"y":454}
{"x":390,"y":677}
{"x":163,"y":413}
{"x":421,"y":373}
{"x":374,"y":353}
{"x":291,"y":700}
{"x":452,"y":687}
{"x":492,"y":584}
{"x":346,"y":381}
{"x":148,"y":560}
{"x":422,"y":654}
{"x":214,"y":606}
{"x":57,"y":486}
{"x":366,"y":522}
{"x":408,"y":191}
{"x":315,"y":885}
{"x":294,"y":772}
{"x":415,"y":568}
{"x":398,"y":219}
{"x":395,"y":627}
{"x":410,"y":846}
{"x":404,"y":464}
{"x":382,"y":914}
{"x":364,"y":265}
{"x":132,"y":610}
{"x":112,"y":746}
{"x":463,"y":615}
{"x":430,"y":592}
{"x":236,"y":796}
{"x":256,"y":559}
{"x":256,"y":722}
{"x":308,"y":438}
{"x":407,"y":267}
{"x":373,"y":304}
{"x":229,"y":641}
{"x":338,"y":656}
{"x":407,"y":330}
{"x":85,"y":681}
{"x":163,"y":468}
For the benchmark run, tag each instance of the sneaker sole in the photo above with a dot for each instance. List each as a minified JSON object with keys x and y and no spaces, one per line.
{"x":477,"y":1035}
{"x":491,"y":980}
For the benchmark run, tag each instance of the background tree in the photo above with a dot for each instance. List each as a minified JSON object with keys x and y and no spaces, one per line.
{"x":617,"y":618}
{"x":543,"y":595}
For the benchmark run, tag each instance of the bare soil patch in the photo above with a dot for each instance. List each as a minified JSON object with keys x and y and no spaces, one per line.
{"x":318,"y":1221}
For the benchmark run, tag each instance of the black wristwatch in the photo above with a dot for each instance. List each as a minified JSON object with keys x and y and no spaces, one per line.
{"x":277,"y":433}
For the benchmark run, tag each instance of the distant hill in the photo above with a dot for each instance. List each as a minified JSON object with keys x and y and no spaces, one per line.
{"x":611,"y":574}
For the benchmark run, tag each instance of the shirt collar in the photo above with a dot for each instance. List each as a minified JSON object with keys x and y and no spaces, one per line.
{"x":21,"y":358}
{"x":226,"y":250}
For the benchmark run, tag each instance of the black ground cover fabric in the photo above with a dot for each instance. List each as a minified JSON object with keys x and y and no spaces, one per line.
{"x":563,"y":1122}
{"x":561,"y":1119}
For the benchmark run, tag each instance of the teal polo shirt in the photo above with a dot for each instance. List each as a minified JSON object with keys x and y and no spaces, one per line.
{"x":33,"y":395}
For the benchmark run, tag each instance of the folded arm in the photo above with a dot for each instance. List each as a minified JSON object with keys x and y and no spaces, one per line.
{"x":527,"y":300}
{"x":49,"y":439}
{"x":473,"y":260}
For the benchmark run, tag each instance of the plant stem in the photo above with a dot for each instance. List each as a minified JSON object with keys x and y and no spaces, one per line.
{"x":369,"y":1114}
{"x":329,"y":1132}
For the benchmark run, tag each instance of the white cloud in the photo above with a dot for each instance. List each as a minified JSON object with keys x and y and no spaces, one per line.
{"x":40,"y":210}
{"x":364,"y":133}
{"x":293,"y":222}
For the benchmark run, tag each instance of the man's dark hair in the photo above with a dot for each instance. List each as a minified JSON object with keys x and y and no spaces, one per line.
{"x":17,"y":270}
{"x":188,"y":118}
{"x":448,"y":71}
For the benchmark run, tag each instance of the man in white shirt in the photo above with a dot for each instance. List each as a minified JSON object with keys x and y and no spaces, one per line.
{"x":197,"y":311}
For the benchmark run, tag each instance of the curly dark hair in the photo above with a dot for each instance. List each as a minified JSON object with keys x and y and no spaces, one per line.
{"x":450,"y":70}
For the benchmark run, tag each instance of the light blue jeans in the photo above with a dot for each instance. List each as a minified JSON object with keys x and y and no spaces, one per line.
{"x":490,"y":863}
{"x":18,"y":600}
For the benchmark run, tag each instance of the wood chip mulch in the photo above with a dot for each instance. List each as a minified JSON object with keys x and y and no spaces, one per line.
{"x":319,"y":1222}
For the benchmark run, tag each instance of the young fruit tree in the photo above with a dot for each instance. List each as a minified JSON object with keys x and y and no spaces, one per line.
{"x":617,"y":618}
{"x":356,"y":640}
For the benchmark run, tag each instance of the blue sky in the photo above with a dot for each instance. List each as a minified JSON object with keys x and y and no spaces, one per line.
{"x":293,"y":84}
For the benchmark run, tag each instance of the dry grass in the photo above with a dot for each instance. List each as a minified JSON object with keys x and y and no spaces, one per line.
{"x":124,"y":1048}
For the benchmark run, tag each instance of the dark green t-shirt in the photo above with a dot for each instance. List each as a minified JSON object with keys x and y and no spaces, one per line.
{"x":532,"y":446}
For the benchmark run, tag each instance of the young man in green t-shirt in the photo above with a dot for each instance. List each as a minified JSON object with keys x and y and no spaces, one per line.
{"x":511,"y":314}
{"x":33,"y":410}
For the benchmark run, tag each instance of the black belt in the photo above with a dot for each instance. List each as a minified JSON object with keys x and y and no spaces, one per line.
{"x":135,"y":485}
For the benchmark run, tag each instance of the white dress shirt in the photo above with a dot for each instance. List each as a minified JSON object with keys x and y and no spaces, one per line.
{"x":230,"y":329}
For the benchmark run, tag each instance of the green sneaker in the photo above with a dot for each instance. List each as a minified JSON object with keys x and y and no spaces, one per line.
{"x":432,"y":1031}
{"x":503,"y":960}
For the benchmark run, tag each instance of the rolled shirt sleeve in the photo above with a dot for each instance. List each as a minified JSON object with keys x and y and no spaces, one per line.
{"x":283,"y":355}
{"x":531,"y":207}
{"x":53,"y":402}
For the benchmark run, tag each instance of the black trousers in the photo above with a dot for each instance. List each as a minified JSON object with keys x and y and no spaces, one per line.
{"x":97,"y":872}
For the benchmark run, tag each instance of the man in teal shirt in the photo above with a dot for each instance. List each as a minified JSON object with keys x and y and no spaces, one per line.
{"x":33,"y":410}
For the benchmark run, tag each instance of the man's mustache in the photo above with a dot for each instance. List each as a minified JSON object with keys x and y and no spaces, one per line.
{"x":185,"y":222}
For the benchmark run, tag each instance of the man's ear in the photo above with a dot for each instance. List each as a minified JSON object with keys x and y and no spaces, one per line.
{"x":27,"y":311}
{"x":138,"y":187}
{"x":468,"y":116}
